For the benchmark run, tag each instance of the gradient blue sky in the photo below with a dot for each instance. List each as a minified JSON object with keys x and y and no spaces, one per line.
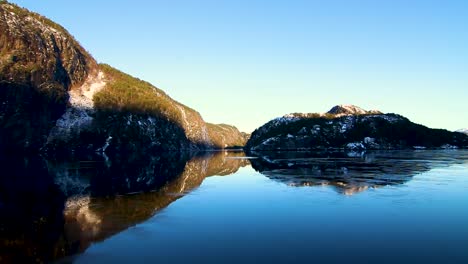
{"x":245,"y":62}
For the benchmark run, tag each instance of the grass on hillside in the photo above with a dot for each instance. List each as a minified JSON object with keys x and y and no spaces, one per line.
{"x":124,"y":93}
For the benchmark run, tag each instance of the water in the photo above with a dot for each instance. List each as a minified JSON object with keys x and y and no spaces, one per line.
{"x":223,"y":207}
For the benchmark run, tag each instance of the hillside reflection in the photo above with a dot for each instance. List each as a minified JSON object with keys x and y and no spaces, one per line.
{"x":54,"y":208}
{"x":351,"y":172}
{"x":50,"y":209}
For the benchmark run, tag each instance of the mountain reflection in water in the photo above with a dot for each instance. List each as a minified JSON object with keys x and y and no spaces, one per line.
{"x":50,"y":209}
{"x":351,"y":172}
{"x":54,"y":208}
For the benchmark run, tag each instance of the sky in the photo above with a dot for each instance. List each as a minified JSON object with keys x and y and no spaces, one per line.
{"x":246,"y":62}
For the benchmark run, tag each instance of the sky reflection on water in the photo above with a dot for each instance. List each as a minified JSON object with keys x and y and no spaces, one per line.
{"x":250,"y":217}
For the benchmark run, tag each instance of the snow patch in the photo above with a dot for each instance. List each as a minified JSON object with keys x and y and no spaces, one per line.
{"x":106,"y":145}
{"x":342,"y":110}
{"x":82,"y":97}
{"x":346,"y":124}
{"x":355,"y":146}
{"x":419,"y":147}
{"x":269,"y":140}
{"x":285,"y":120}
{"x":78,"y":115}
{"x":388,"y":118}
{"x":448,"y":146}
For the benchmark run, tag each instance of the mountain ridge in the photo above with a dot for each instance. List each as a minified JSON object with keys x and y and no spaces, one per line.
{"x":55,"y":97}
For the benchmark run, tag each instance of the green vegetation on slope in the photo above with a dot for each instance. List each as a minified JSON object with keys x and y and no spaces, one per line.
{"x":124,"y":93}
{"x":225,"y":136}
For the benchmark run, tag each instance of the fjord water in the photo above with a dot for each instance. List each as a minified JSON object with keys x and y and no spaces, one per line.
{"x":224,"y":207}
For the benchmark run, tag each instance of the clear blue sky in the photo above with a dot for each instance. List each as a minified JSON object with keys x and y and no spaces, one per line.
{"x":245,"y":62}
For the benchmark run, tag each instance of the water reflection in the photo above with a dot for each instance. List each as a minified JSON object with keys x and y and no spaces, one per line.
{"x":351,"y":172}
{"x":53,"y":208}
{"x":50,"y":209}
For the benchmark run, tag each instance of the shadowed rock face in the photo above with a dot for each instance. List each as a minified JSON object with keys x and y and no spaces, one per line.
{"x":349,"y":172}
{"x":55,"y":208}
{"x":39,"y":62}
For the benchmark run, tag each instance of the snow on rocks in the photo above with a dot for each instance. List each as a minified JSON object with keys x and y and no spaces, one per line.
{"x":387,"y":117}
{"x":369,"y":140}
{"x":347,"y":110}
{"x":448,"y":146}
{"x":266,"y":142}
{"x":302,"y":131}
{"x":355,"y":146}
{"x":270,"y":140}
{"x":285,"y":119}
{"x":78,"y":115}
{"x":106,"y":145}
{"x":346,"y":124}
{"x":82,"y":97}
{"x":419,"y":147}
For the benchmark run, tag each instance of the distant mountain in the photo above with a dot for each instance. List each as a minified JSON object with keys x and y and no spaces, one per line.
{"x":55,"y":96}
{"x":226,"y":136}
{"x":350,"y":127}
{"x":463,"y":130}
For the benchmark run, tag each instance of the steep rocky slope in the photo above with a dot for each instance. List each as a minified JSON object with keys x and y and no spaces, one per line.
{"x":350,"y":127}
{"x":54,"y":96}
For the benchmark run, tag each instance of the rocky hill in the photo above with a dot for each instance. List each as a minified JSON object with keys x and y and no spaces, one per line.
{"x":54,"y":96}
{"x":350,"y":127}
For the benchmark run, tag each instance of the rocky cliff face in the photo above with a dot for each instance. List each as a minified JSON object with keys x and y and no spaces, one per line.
{"x":39,"y":63}
{"x":54,"y":96}
{"x":350,"y":128}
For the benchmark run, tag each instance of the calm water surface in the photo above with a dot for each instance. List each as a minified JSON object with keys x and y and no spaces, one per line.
{"x":224,"y":207}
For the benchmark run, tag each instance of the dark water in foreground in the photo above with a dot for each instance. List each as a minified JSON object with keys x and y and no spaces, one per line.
{"x":223,"y":207}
